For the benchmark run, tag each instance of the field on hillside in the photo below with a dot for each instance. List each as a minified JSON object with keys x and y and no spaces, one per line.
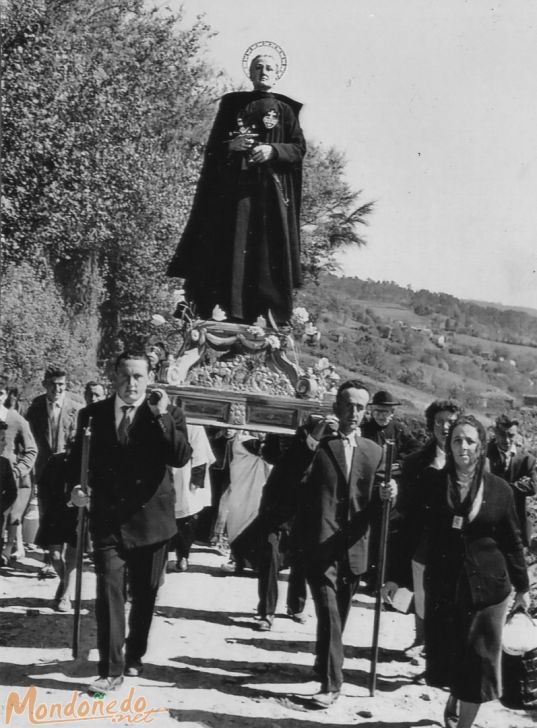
{"x":394,"y":312}
{"x":488,"y":345}
{"x":420,"y":345}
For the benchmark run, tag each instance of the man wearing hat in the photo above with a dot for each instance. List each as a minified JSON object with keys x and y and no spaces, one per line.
{"x":382,"y":427}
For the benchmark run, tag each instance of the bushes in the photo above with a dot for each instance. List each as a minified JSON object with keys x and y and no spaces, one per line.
{"x":37,"y":330}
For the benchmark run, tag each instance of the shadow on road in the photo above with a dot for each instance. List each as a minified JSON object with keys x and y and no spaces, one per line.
{"x":36,"y":625}
{"x":225,"y":720}
{"x":235,"y":619}
{"x":20,"y":676}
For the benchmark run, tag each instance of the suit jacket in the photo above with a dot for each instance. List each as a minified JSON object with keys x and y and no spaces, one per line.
{"x":404,"y":442}
{"x":487,"y":551}
{"x":333,"y":517}
{"x":281,"y":494}
{"x":37,"y":416}
{"x":20,"y":449}
{"x":522,"y":465}
{"x":8,"y":489}
{"x":132,"y":493}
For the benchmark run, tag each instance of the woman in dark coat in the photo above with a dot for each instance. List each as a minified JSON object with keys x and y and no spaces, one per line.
{"x":241,"y":247}
{"x":473,"y":558}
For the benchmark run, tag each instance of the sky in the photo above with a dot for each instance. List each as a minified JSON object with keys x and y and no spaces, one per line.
{"x":434,"y":104}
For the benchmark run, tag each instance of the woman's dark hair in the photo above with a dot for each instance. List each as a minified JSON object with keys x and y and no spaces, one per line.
{"x":482,"y":456}
{"x":440,"y":405}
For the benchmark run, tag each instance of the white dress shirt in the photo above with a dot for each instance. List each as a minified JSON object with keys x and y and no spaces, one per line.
{"x":349,"y":443}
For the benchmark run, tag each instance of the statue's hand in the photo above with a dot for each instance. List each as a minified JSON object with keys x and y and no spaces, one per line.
{"x":262,"y":153}
{"x":242,"y":142}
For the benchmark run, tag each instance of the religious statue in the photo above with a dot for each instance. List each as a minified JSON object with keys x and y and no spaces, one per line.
{"x":240,"y":249}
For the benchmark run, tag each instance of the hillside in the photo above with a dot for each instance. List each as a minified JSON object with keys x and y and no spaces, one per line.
{"x":422,"y":345}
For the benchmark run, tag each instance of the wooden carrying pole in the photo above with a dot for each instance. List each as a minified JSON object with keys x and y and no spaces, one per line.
{"x":81,"y":535}
{"x":381,"y":569}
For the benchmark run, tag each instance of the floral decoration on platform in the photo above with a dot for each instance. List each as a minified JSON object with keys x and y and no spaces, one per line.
{"x":217,"y":354}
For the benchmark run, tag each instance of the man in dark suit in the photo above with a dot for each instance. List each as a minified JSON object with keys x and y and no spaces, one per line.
{"x":332,"y":529}
{"x":277,"y":510}
{"x":514,"y":465}
{"x":134,"y":442}
{"x":53,"y":417}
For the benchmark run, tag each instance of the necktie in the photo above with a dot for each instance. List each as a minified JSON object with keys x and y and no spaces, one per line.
{"x":54,"y":425}
{"x":348,"y":447}
{"x":124,"y":424}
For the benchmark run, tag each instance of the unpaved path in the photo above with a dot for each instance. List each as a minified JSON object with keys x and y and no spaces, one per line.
{"x":207,"y":665}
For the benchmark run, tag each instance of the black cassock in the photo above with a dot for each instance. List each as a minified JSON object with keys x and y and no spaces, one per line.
{"x":241,"y":246}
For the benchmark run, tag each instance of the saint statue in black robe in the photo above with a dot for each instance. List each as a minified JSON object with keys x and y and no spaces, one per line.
{"x":241,"y":246}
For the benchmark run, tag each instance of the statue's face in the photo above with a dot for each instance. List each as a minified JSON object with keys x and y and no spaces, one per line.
{"x":270,"y":119}
{"x":263,"y":70}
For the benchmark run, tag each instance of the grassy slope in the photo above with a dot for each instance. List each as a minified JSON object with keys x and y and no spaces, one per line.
{"x":333,"y":306}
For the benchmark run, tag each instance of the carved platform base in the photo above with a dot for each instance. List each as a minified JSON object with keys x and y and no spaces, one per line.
{"x":245,"y":411}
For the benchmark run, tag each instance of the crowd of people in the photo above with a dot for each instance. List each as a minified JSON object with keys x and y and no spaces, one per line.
{"x":312,"y":502}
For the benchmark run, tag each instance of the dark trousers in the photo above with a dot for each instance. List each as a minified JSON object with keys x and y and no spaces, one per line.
{"x":185,"y":536}
{"x":113,"y":566}
{"x":267,"y":585}
{"x":332,"y":593}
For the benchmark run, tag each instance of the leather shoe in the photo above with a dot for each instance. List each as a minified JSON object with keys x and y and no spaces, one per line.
{"x":297,"y":617}
{"x":104,"y":685}
{"x":46,"y":572}
{"x":134,"y":668}
{"x":265,"y":623}
{"x":63,"y":604}
{"x":325,"y":699}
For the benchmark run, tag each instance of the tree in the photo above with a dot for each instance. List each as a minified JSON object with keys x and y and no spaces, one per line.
{"x":331,"y":214}
{"x":36,"y":331}
{"x":106,"y":109}
{"x":104,"y":114}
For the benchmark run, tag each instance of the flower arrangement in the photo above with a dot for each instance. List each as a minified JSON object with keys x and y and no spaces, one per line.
{"x":300,"y":316}
{"x":272,"y":341}
{"x":254,"y":358}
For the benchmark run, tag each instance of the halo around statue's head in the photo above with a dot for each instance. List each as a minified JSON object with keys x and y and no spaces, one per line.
{"x":265,"y":47}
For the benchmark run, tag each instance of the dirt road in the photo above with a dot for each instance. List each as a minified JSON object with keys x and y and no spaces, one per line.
{"x":207,"y":665}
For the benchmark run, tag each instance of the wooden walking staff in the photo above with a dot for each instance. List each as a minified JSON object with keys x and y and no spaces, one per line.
{"x":81,"y":535}
{"x":381,"y":569}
